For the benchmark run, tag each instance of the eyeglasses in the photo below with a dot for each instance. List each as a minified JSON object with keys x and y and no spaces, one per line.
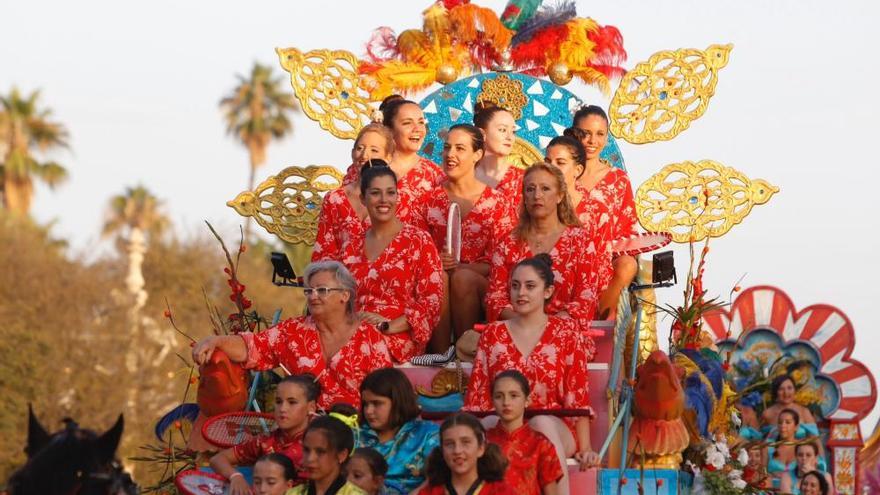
{"x":322,"y":292}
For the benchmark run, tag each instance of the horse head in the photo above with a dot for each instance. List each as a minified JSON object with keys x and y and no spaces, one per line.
{"x":73,"y":461}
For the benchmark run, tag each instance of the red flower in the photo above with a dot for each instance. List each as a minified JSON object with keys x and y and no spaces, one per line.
{"x":623,"y":481}
{"x":725,"y":366}
{"x":659,"y":482}
{"x":178,"y":424}
{"x":242,"y":248}
{"x":167,"y":313}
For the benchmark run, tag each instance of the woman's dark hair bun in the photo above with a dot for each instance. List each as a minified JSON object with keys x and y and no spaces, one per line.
{"x":575,"y":133}
{"x":544,"y":258}
{"x":389,"y":100}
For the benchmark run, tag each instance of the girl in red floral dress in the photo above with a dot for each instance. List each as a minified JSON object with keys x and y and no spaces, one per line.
{"x":342,"y":213}
{"x":534,"y":464}
{"x":465,"y":463}
{"x":495,"y":168}
{"x":416,"y":175}
{"x":295,"y":402}
{"x":547,"y":225}
{"x":611,"y":206}
{"x":480,"y":208}
{"x":549,"y":353}
{"x":397,"y":268}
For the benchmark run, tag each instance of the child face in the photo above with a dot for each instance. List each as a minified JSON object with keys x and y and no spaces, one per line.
{"x":360,"y":474}
{"x":320,"y":461}
{"x":461,"y":449}
{"x":509,"y":399}
{"x":269,"y":479}
{"x":377,"y":410}
{"x":787,"y":426}
{"x":292,"y":407}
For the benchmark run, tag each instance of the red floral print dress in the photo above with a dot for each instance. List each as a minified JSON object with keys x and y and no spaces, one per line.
{"x":477,"y":227}
{"x":405,"y":280}
{"x":574,"y":271}
{"x":249,"y":452}
{"x":556,"y":368}
{"x":337,"y":224}
{"x":533,"y":461}
{"x":612,"y":216}
{"x":296,"y":344}
{"x":510,"y":190}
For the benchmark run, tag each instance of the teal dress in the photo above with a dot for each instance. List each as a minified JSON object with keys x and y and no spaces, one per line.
{"x":406,"y":453}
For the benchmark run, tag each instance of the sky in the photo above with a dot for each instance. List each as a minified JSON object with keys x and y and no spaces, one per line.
{"x":138,"y":84}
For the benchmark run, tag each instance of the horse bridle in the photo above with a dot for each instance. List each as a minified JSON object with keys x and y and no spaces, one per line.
{"x":115,"y":480}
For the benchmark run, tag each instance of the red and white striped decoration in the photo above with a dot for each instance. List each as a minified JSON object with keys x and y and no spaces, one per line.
{"x":823,"y":325}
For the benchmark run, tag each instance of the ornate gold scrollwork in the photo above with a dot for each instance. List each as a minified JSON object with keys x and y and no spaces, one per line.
{"x":674,"y":200}
{"x":659,"y":98}
{"x":326,"y":84}
{"x":288,"y":204}
{"x":506,"y":93}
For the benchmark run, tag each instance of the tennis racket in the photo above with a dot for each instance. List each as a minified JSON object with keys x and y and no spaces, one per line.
{"x":195,"y":482}
{"x":453,"y":232}
{"x":230,"y":429}
{"x":640,"y":243}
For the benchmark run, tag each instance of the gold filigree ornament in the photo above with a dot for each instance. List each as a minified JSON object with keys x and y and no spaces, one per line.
{"x":326,"y":84}
{"x":288,"y":204}
{"x":524,"y":154}
{"x":506,"y":93}
{"x":659,"y":98}
{"x":674,"y":199}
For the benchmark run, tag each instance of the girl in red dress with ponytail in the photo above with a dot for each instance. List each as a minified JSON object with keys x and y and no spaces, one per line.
{"x":611,"y":206}
{"x":397,"y":268}
{"x":481,"y":208}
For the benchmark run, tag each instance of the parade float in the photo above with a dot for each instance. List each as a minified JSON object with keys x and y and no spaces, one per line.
{"x":669,"y":417}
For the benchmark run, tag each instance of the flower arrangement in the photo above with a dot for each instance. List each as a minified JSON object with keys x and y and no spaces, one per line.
{"x":719,"y":472}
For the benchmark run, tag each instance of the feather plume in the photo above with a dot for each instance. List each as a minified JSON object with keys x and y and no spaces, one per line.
{"x":415,"y":46}
{"x":532,"y":55}
{"x":609,"y":52}
{"x":545,"y":18}
{"x":401,"y":77}
{"x":592,"y":77}
{"x":436,"y":26}
{"x":382,"y":45}
{"x":481,"y":30}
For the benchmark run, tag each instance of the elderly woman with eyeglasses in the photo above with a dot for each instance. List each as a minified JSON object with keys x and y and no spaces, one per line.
{"x":332,"y":342}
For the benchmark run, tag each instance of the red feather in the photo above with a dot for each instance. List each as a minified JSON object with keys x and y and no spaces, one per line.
{"x":534,"y":53}
{"x":609,"y":53}
{"x":451,"y":4}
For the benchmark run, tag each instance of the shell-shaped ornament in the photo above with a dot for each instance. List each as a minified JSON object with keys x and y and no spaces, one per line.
{"x":698,"y":200}
{"x":660,"y":97}
{"x":288,"y":204}
{"x":326,"y":83}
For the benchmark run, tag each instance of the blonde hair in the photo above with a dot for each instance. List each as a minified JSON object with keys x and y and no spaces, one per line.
{"x":381,"y":130}
{"x":564,"y":210}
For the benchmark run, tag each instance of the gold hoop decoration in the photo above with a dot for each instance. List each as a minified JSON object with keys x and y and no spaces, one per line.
{"x":524,"y":154}
{"x":288,"y":204}
{"x":506,"y":93}
{"x":659,"y":98}
{"x":698,"y":200}
{"x":326,"y":84}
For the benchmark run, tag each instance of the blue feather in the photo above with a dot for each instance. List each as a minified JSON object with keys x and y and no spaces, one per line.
{"x":548,"y":16}
{"x":710,"y":367}
{"x":698,"y":398}
{"x":187,"y":410}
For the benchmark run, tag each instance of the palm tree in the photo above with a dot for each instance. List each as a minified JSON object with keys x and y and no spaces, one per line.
{"x":256,"y":112}
{"x":25,"y":128}
{"x":136,"y":211}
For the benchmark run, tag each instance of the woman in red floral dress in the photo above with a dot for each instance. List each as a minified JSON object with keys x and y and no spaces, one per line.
{"x":549,"y":353}
{"x":332,"y":343}
{"x":547,"y":225}
{"x":611,"y":206}
{"x":495,"y":169}
{"x":416,"y":175}
{"x":480,"y":208}
{"x":398,"y":270}
{"x":534,"y":464}
{"x":343,"y":216}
